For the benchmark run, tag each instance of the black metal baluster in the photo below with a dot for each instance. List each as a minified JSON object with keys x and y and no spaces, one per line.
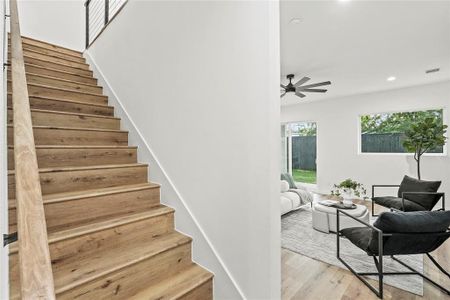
{"x":86,"y":4}
{"x":106,"y":12}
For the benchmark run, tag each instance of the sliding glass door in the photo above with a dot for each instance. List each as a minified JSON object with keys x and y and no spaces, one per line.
{"x":299,"y":151}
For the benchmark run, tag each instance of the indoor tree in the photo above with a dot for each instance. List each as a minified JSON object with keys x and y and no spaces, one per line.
{"x":424,"y":135}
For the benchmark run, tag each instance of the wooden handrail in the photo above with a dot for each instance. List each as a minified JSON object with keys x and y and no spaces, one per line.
{"x":36,"y":277}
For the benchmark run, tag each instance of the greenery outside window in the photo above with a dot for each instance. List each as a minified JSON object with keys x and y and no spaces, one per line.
{"x":385,"y":132}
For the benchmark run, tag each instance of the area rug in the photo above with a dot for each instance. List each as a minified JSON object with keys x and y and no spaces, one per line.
{"x":298,"y":236}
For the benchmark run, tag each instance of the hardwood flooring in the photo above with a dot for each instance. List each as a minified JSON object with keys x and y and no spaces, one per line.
{"x":307,"y":278}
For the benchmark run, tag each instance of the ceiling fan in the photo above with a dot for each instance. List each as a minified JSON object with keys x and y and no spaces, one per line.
{"x":299,"y":89}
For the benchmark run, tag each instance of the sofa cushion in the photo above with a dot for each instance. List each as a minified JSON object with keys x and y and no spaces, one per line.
{"x":413,"y":222}
{"x":289,"y":179}
{"x":285,"y":205}
{"x":394,"y":202}
{"x":410,"y":184}
{"x":284,"y":186}
{"x":295,"y":199}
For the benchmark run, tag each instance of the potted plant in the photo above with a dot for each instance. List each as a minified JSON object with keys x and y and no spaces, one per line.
{"x":422,"y":136}
{"x":348,"y":189}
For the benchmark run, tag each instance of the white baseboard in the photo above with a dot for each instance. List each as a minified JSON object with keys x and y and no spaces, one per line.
{"x":204,"y":252}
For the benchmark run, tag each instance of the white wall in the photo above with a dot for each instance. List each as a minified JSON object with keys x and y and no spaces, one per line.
{"x":59,"y":22}
{"x":337,"y":137}
{"x":199,"y":81}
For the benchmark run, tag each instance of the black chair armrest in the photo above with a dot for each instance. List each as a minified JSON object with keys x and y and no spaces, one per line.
{"x":382,"y":186}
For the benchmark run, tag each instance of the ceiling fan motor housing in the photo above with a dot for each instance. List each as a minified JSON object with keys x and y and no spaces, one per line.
{"x":290,"y":87}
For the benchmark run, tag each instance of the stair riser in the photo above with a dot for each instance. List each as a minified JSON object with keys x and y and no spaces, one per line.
{"x":74,"y":249}
{"x":48,"y":64}
{"x":59,"y":182}
{"x":49,"y":158}
{"x":55,"y":82}
{"x":55,"y":136}
{"x":125,"y":283}
{"x":33,"y":42}
{"x":69,"y":214}
{"x":204,"y":292}
{"x":53,"y":59}
{"x":40,"y":91}
{"x":53,"y":53}
{"x":64,"y":106}
{"x":55,"y":73}
{"x":65,"y":120}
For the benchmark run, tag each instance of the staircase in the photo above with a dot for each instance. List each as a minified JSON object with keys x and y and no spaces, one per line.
{"x":109,"y":236}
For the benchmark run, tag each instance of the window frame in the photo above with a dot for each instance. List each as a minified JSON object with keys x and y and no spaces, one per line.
{"x":444,"y":119}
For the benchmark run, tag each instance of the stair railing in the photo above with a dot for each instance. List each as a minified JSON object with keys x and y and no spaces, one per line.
{"x":36,"y":278}
{"x":99,"y":13}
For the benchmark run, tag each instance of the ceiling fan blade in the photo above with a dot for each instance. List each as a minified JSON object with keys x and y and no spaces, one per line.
{"x":283,"y":86}
{"x":314,"y":85}
{"x":300,"y":94}
{"x":302,"y":81}
{"x":315,"y":90}
{"x":282,"y":95}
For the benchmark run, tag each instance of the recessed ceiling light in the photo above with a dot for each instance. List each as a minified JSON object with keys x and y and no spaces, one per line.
{"x":295,"y":21}
{"x":391,"y":78}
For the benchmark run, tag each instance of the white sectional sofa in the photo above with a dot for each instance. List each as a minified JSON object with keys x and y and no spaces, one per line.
{"x":292,"y":199}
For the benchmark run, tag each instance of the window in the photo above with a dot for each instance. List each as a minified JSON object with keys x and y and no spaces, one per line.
{"x":299,"y":151}
{"x":384,"y":132}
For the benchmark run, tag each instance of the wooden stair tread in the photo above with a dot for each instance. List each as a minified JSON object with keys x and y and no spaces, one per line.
{"x":65,"y":234}
{"x":53,"y":55}
{"x":110,"y":260}
{"x":57,"y":70}
{"x":56,"y":63}
{"x":75,"y":128}
{"x":26,"y":39}
{"x":64,"y":89}
{"x":53,"y":52}
{"x":70,"y":113}
{"x":69,"y":101}
{"x":95,"y":167}
{"x":80,"y":147}
{"x":176,"y":286}
{"x":60,"y":79}
{"x":68,"y":196}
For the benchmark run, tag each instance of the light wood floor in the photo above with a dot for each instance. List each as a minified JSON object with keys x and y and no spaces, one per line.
{"x":309,"y":279}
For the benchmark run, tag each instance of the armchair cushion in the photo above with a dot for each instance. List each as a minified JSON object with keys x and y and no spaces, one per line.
{"x":410,"y":184}
{"x":394,"y":202}
{"x":427,"y":228}
{"x":413,"y":222}
{"x":288,"y":177}
{"x":359,"y":236}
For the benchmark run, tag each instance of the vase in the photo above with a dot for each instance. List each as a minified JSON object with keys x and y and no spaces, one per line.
{"x":348,"y":198}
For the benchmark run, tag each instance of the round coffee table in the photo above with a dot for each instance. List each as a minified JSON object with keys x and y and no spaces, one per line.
{"x":324,"y":217}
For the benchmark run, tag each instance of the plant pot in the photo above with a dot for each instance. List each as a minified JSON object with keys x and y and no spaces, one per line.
{"x":348,"y":198}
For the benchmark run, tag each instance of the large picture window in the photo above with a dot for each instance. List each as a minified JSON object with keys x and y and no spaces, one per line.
{"x":384,"y":132}
{"x":299,"y":151}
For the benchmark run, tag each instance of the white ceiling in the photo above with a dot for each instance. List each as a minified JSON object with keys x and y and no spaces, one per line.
{"x":358,"y":44}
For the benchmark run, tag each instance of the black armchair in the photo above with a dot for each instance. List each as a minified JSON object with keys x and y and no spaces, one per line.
{"x":397,"y":233}
{"x":413,"y":195}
